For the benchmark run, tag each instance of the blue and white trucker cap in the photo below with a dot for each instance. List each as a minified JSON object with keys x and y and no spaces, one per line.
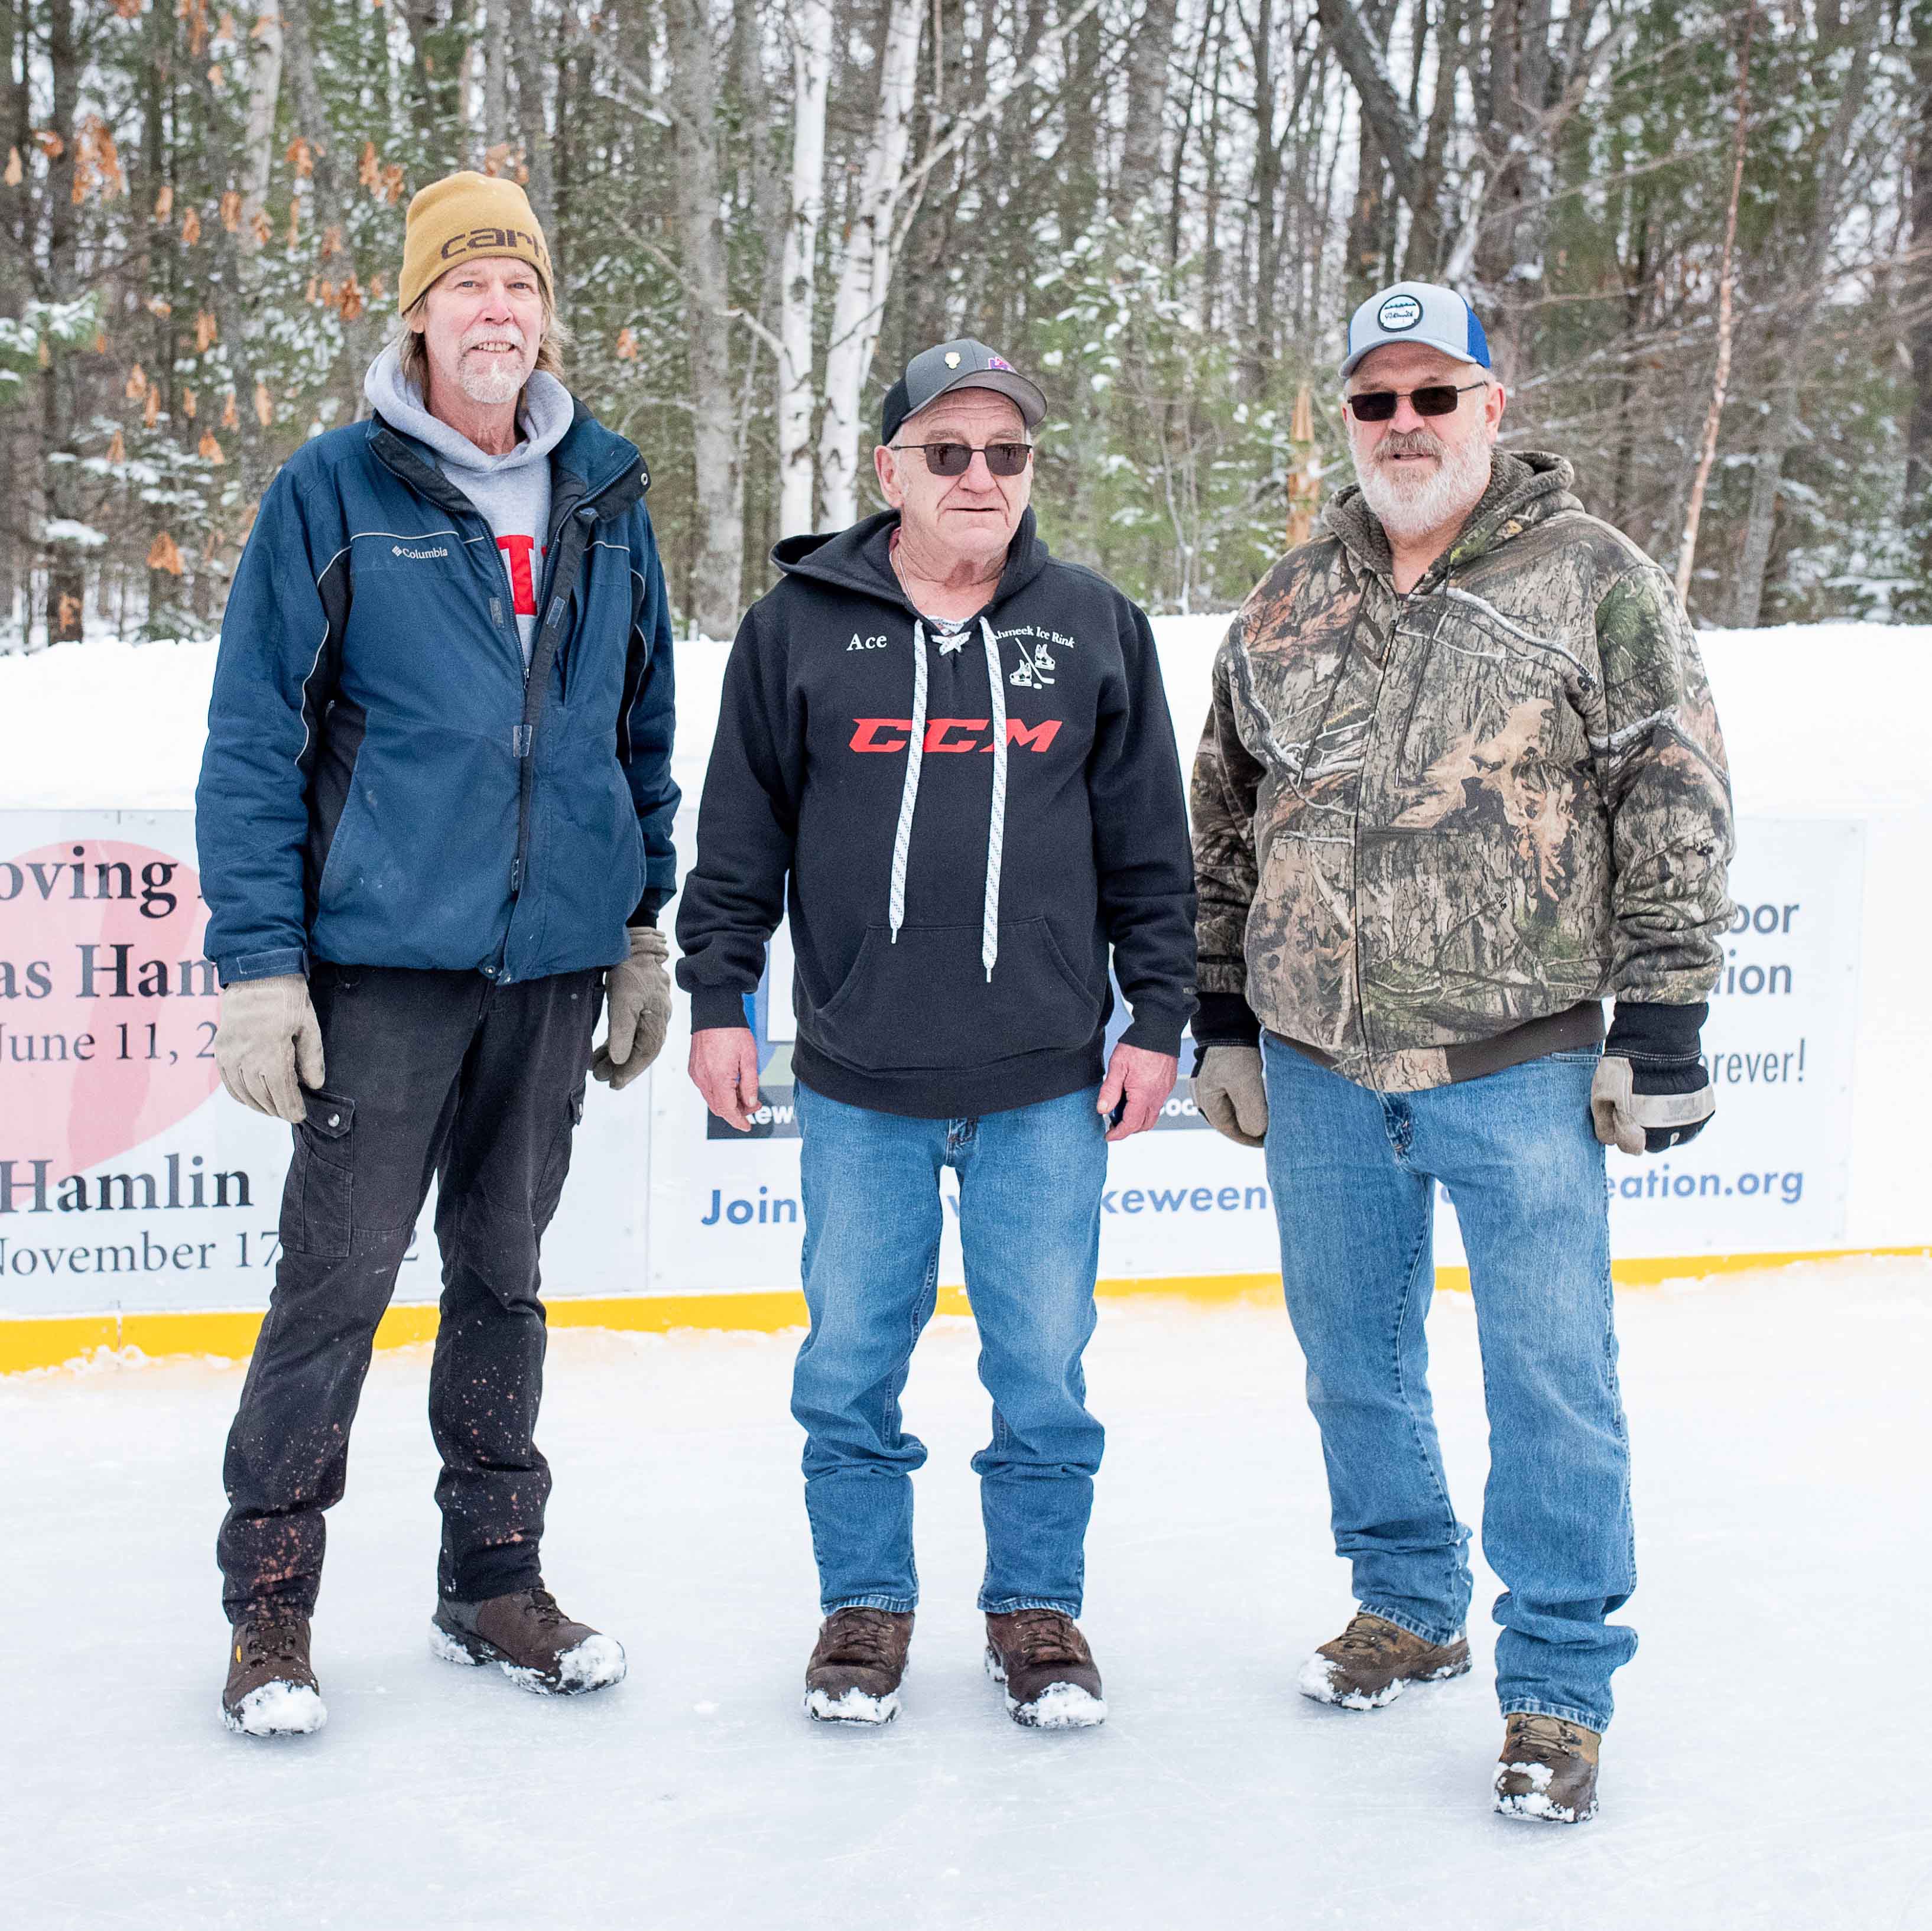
{"x":1437,"y":317}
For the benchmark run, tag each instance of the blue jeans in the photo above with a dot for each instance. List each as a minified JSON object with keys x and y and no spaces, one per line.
{"x":1029,"y":1185}
{"x":1353,"y":1173}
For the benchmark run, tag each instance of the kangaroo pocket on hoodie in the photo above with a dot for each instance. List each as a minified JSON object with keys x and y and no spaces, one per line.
{"x":926,"y":1001}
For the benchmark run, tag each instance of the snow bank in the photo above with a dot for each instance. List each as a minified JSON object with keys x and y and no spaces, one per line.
{"x":1818,"y":717}
{"x":107,"y":726}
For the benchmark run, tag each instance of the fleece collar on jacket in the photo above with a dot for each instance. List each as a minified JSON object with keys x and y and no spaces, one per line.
{"x":859,"y":559}
{"x":1525,"y":487}
{"x":544,"y":417}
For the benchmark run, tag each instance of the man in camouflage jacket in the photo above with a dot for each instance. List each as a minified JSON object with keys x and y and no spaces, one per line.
{"x":1462,"y":780}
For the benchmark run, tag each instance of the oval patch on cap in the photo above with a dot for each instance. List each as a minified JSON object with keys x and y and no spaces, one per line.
{"x":952,"y":358}
{"x":1399,"y":311}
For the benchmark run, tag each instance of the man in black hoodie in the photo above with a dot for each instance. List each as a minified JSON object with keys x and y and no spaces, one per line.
{"x":959,"y":750}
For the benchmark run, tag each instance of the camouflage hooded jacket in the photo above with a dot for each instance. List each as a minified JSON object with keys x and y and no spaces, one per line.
{"x":1431,"y":831}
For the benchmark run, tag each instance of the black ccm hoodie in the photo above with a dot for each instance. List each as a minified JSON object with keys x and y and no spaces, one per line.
{"x":952,"y":904}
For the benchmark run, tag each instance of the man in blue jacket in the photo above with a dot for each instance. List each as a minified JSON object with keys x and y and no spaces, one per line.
{"x":948,"y":754}
{"x":434,"y":820}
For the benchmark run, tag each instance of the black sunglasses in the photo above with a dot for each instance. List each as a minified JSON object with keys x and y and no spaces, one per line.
{"x":955,"y":459}
{"x":1438,"y":399}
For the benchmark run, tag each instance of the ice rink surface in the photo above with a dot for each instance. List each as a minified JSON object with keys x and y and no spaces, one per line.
{"x":1767,"y":1767}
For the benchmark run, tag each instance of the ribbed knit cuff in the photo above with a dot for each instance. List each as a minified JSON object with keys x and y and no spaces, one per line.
{"x":1157,"y":1032}
{"x":1226,"y":1019}
{"x":1642,"y":1031}
{"x":714,"y":1009}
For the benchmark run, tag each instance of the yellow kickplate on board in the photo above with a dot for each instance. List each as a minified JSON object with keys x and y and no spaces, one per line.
{"x":31,"y":1341}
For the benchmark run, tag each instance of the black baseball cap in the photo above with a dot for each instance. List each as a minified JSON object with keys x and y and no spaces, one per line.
{"x":963,"y":365}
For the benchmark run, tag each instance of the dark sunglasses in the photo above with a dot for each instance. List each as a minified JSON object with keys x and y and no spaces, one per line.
{"x":1438,"y":399}
{"x":955,"y":459}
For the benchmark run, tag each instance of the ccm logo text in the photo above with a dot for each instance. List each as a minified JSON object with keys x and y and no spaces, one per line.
{"x":951,"y":733}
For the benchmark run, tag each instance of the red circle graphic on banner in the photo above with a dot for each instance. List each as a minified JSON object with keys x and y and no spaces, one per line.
{"x":107,"y":1008}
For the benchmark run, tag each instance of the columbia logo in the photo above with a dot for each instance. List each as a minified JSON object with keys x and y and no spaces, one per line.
{"x":417,"y":555}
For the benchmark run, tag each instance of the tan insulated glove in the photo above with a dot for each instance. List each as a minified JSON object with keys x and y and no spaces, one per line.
{"x":268,"y":1046}
{"x":638,"y":994}
{"x":1229,"y":1095}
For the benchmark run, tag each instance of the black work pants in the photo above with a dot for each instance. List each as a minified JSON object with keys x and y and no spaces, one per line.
{"x":479,"y":1084}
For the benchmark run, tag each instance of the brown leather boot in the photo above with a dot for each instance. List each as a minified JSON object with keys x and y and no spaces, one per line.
{"x":857,"y":1665}
{"x":1051,"y":1681}
{"x":1372,"y":1661}
{"x":271,"y":1690}
{"x":1548,"y":1769}
{"x":531,"y":1640}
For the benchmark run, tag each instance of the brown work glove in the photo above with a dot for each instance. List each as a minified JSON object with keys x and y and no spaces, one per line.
{"x":269,"y":1047}
{"x":637,"y":993}
{"x":1230,"y":1095}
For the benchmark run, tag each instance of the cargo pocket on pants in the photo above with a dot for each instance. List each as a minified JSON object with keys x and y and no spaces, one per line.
{"x":556,"y":1165}
{"x":318,"y":1200}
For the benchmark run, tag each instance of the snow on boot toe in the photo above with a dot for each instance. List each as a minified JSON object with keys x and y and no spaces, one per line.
{"x":1323,"y":1682}
{"x":857,"y":1665}
{"x":1373,"y":1660}
{"x":277,"y":1710}
{"x":531,"y":1640}
{"x":1060,"y":1706}
{"x":1548,"y":1769}
{"x":271,"y":1690}
{"x":852,"y":1706}
{"x":1051,"y":1680}
{"x":596,"y":1663}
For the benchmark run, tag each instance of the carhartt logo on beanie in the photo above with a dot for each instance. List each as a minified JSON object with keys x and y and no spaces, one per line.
{"x":463,"y":216}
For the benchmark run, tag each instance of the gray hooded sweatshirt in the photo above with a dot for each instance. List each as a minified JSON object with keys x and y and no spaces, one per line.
{"x":512,"y":492}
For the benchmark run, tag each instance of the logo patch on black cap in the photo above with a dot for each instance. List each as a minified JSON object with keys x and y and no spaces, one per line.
{"x":1398,"y":312}
{"x":952,"y":358}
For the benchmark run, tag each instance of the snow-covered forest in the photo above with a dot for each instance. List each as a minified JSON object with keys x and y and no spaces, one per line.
{"x":1701,"y":234}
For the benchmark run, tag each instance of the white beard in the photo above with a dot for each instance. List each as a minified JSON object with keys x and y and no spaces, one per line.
{"x":1407,"y":505}
{"x":493,"y":381}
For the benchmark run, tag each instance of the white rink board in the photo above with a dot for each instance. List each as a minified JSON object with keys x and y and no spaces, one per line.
{"x":651,"y":1202}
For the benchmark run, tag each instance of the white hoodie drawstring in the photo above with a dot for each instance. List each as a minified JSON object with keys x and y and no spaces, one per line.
{"x":996,"y":828}
{"x":909,"y":794}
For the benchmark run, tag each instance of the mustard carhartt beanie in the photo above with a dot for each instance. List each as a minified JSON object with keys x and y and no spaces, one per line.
{"x":464,"y":215}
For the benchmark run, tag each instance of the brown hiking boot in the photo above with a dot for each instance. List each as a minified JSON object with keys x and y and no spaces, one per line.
{"x":531,"y":1640}
{"x":856,"y":1667}
{"x":271,"y":1691}
{"x":1372,"y":1661}
{"x":1548,"y":1769}
{"x":1048,"y":1672}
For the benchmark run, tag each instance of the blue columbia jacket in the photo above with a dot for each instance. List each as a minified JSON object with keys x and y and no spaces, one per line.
{"x":384,"y":784}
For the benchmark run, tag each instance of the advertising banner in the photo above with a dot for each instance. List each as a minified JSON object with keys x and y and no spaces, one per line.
{"x":128,"y":1180}
{"x":1769,"y":1175}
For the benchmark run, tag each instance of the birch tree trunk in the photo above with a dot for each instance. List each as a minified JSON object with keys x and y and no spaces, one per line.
{"x":533,"y":125}
{"x":265,"y":87}
{"x":311,"y":117}
{"x":865,"y":273}
{"x":1149,"y":61}
{"x":715,"y":443}
{"x":496,"y":75}
{"x":1720,"y":382}
{"x":811,"y":26}
{"x":1917,"y":509}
